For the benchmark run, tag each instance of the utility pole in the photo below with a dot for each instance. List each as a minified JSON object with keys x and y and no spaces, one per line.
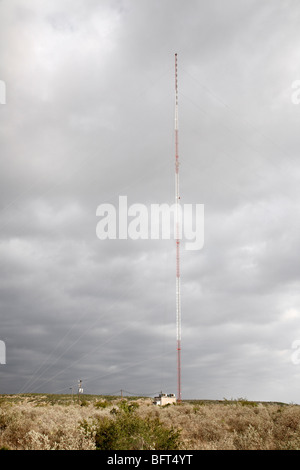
{"x":80,"y":389}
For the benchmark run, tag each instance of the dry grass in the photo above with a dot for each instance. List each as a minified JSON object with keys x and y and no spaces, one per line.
{"x":37,"y":423}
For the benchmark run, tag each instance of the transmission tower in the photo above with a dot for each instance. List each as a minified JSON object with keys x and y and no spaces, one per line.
{"x":178,"y":221}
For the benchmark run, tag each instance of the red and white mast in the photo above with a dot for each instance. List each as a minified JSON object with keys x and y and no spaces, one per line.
{"x":178,"y":222}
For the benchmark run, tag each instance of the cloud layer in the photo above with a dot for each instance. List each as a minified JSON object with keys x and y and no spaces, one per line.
{"x":89,"y":116}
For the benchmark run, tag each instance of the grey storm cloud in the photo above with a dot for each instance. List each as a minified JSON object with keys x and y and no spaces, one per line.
{"x":89,"y":116}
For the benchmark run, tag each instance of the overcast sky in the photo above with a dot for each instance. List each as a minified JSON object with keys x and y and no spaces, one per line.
{"x":89,"y":116}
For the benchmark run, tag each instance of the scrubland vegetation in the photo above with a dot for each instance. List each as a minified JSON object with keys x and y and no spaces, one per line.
{"x":52,"y":422}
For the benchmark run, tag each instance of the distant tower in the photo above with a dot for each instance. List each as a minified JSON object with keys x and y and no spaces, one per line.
{"x":177,"y":202}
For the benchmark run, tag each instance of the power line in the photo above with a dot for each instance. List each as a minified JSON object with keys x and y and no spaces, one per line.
{"x":81,"y":357}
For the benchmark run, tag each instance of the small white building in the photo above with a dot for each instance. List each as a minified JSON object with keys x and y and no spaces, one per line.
{"x":164,"y":399}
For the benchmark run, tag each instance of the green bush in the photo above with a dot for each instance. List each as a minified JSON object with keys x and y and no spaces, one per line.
{"x":125,"y":430}
{"x":101,"y":404}
{"x":84,"y":403}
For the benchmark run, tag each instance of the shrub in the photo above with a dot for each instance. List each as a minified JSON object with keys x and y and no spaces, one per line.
{"x":101,"y":404}
{"x":128,"y":431}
